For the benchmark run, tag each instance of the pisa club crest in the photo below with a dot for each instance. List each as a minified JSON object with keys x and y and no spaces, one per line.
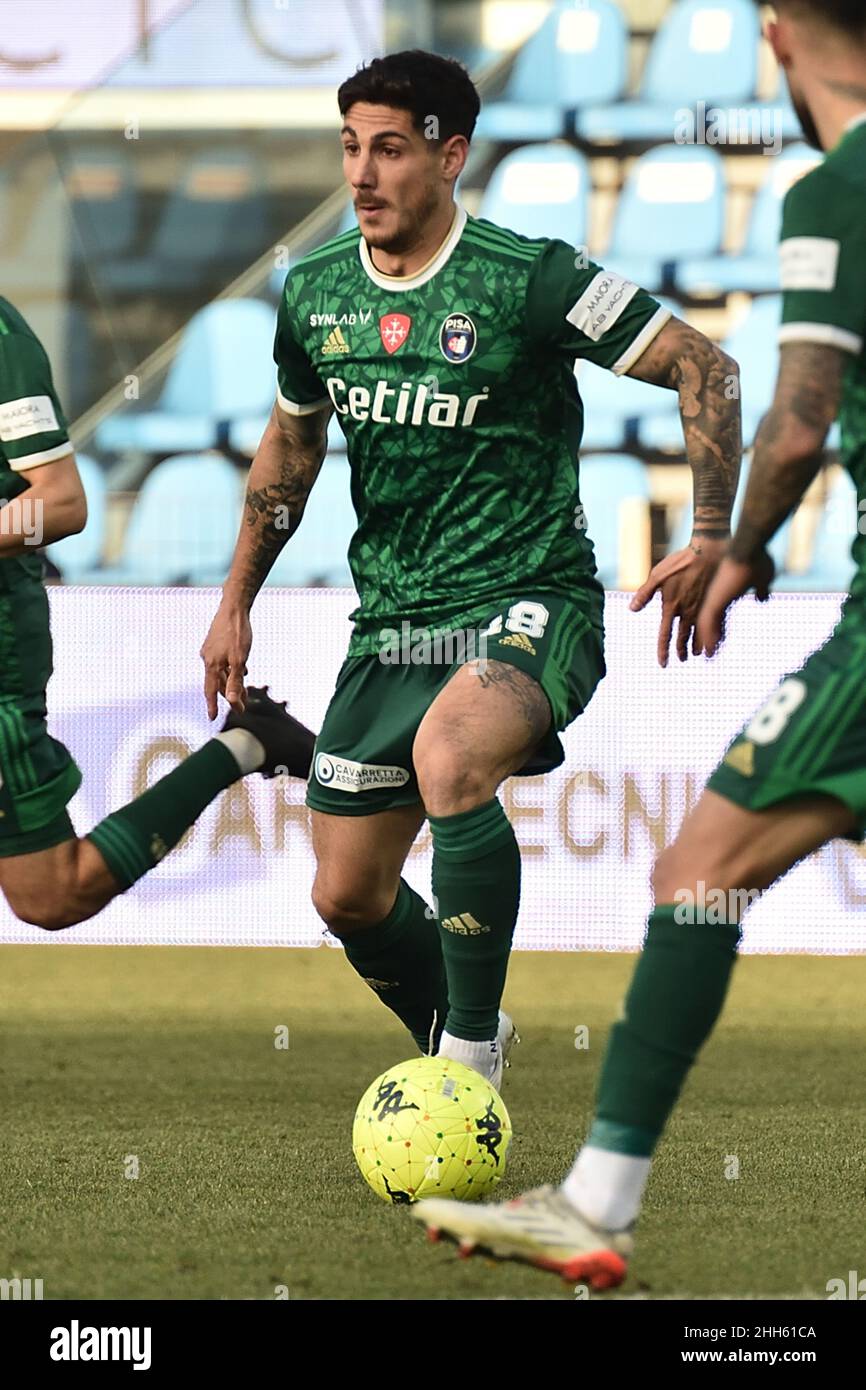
{"x":457,"y":338}
{"x":394,"y":330}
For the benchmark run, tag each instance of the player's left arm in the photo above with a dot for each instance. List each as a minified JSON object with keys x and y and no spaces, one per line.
{"x":577,"y":309}
{"x":707,"y":384}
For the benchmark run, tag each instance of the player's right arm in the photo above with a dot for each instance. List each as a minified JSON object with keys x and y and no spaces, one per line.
{"x":285,"y":467}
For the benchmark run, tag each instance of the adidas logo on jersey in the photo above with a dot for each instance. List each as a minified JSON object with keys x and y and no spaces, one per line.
{"x":335,"y":342}
{"x":742,"y":758}
{"x":519,"y":639}
{"x":410,"y":405}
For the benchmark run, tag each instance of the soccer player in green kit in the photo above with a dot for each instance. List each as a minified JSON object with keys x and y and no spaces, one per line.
{"x":795,"y":777}
{"x":49,"y":876}
{"x":446,"y":346}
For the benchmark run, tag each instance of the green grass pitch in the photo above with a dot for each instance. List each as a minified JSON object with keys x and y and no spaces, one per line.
{"x":246,"y":1180}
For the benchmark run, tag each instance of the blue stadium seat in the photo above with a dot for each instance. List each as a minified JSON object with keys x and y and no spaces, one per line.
{"x":605,"y":483}
{"x":223,"y":370}
{"x":831,"y":567}
{"x":704,"y":50}
{"x":577,"y":57}
{"x":103,"y":197}
{"x":183,"y":526}
{"x":316,"y":554}
{"x":76,"y":556}
{"x":613,"y":405}
{"x":756,"y":268}
{"x":540,"y":190}
{"x":672,"y":206}
{"x":213,"y":224}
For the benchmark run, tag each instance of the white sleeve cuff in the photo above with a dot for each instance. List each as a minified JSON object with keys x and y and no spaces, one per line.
{"x":46,"y":456}
{"x":293,"y":408}
{"x":821,"y":333}
{"x":642,"y":341}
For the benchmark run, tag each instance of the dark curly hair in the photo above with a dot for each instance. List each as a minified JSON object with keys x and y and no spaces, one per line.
{"x":423,"y":84}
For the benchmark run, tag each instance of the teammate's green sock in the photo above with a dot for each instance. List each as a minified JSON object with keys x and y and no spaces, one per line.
{"x":135,"y":838}
{"x":476,"y":884}
{"x":676,"y":995}
{"x":401,"y":960}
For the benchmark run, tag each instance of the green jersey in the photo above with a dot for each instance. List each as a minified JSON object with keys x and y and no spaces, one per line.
{"x":32,"y":425}
{"x":823,"y":275}
{"x":456,"y":392}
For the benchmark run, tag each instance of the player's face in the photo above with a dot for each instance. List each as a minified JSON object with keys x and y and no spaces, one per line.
{"x":395,"y":174}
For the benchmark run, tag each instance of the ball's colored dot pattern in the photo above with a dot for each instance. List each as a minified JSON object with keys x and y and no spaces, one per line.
{"x":417,"y":1129}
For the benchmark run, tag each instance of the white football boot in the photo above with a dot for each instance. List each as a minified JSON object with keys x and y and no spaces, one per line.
{"x":540,"y":1228}
{"x":507,"y":1038}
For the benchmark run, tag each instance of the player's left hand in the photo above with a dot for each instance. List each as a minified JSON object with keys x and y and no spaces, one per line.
{"x":732,"y":579}
{"x":682,"y":579}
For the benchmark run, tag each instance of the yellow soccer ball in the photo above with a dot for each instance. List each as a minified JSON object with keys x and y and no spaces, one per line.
{"x":431,"y":1127}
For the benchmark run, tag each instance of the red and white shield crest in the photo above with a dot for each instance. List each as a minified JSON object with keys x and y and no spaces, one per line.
{"x":394,"y":330}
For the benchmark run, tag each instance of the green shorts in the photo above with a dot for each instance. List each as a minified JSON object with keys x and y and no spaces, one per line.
{"x":38,"y":777}
{"x":363,"y":757}
{"x":809,"y":737}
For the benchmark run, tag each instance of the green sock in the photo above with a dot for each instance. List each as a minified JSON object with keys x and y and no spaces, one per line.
{"x":676,"y":995}
{"x":134,"y":839}
{"x":401,"y":960}
{"x":476,"y":884}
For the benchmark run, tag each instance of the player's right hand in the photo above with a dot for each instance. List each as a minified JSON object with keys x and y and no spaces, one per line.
{"x":224,"y":652}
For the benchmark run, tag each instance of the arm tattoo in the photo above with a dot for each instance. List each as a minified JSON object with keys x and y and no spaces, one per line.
{"x":274,"y":513}
{"x":283,"y":472}
{"x":790,"y":442}
{"x":526,"y":694}
{"x":707,"y":382}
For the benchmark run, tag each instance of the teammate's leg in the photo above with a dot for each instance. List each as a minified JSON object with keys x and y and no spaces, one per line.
{"x":483,"y":726}
{"x":64,"y":883}
{"x":723,"y":854}
{"x":581,"y":1230}
{"x":389,"y":934}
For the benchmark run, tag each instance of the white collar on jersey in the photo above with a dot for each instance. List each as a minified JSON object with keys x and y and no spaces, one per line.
{"x":857,"y":120}
{"x":413,"y":282}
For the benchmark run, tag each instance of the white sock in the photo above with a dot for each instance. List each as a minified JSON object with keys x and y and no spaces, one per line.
{"x":247,"y":751}
{"x":607,"y":1187}
{"x":479,"y":1055}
